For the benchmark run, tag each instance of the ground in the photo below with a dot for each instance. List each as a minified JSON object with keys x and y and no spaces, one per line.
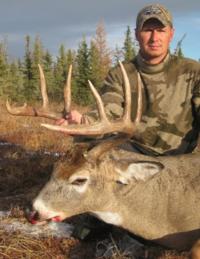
{"x":27,"y":155}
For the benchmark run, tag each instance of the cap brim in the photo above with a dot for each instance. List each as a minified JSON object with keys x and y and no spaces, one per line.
{"x":164,"y":23}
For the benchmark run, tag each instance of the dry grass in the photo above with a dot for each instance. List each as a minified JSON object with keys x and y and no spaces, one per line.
{"x":28,"y":130}
{"x":17,"y":245}
{"x":20,"y":246}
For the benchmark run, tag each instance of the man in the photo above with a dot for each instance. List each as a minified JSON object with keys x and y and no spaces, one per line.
{"x":171,"y":89}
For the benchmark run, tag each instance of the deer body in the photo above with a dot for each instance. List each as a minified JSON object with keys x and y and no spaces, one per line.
{"x":154,"y":198}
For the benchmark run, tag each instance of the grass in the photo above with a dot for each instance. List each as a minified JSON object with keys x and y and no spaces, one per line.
{"x":16,"y":245}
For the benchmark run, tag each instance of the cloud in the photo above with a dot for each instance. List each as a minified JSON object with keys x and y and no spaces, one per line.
{"x":63,"y":21}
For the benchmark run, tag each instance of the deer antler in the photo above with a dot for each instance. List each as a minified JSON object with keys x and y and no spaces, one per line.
{"x":104,"y":126}
{"x":44,"y":111}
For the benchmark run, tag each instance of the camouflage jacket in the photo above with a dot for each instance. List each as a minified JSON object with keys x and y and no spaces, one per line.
{"x":171,"y":103}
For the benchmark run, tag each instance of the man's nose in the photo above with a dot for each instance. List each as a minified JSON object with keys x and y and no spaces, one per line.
{"x":154,"y":35}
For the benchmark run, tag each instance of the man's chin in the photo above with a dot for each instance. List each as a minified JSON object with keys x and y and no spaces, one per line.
{"x":154,"y":55}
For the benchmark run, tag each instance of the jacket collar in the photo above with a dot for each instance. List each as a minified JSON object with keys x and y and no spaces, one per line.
{"x":151,"y":69}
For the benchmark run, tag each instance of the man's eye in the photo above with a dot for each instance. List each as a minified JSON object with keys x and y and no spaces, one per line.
{"x":161,"y":30}
{"x":146,"y":30}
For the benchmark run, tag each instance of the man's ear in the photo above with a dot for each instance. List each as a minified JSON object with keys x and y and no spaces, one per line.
{"x":138,"y":171}
{"x":172,"y":34}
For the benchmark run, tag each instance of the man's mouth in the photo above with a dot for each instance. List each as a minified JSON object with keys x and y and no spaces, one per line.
{"x":154,"y":47}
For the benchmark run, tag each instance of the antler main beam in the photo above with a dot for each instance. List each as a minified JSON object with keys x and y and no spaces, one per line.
{"x":104,"y":126}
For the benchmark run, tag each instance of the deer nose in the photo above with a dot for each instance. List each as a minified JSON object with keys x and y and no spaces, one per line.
{"x":32,"y":216}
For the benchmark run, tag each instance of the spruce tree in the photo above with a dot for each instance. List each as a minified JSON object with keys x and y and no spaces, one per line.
{"x":60,"y":73}
{"x":15,"y":86}
{"x":118,"y":54}
{"x":129,"y":51}
{"x":82,"y":93}
{"x":48,"y":71}
{"x":37,"y":58}
{"x":4,"y":68}
{"x":71,"y":60}
{"x":27,"y":68}
{"x":95,"y":65}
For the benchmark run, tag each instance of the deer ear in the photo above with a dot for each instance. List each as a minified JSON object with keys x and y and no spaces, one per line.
{"x":139,"y":171}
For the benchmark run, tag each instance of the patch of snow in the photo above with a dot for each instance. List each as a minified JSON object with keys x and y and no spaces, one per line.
{"x":59,"y":230}
{"x":55,"y":154}
{"x":5,"y":144}
{"x":55,"y":229}
{"x":4,"y":214}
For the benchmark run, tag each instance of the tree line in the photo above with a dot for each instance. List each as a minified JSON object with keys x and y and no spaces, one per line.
{"x":19,"y":80}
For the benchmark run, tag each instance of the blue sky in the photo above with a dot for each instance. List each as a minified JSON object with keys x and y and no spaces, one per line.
{"x":65,"y":21}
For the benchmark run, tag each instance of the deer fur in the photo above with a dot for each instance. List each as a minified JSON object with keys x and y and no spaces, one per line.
{"x":156,"y":198}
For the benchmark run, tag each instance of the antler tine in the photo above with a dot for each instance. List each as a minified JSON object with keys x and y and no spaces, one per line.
{"x":139,"y":103}
{"x":100,"y":105}
{"x":26,"y":110}
{"x":16,"y":111}
{"x":67,"y":92}
{"x":104,"y":126}
{"x":43,"y":88}
{"x":127,"y":94}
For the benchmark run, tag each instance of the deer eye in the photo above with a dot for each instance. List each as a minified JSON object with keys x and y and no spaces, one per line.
{"x":120,"y":182}
{"x":79,"y":181}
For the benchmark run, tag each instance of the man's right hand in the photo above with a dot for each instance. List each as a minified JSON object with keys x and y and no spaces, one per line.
{"x":74,"y":117}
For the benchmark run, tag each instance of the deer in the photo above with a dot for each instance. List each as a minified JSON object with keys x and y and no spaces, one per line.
{"x":153,"y":197}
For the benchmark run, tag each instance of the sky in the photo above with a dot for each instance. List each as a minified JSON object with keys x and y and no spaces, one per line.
{"x":65,"y":22}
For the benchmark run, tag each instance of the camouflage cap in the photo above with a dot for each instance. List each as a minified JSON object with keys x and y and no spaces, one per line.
{"x":156,"y":11}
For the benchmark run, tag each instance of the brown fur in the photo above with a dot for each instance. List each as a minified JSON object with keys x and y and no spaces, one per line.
{"x":66,"y":167}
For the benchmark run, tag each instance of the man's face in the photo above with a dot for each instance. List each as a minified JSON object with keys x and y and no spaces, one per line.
{"x":154,"y":40}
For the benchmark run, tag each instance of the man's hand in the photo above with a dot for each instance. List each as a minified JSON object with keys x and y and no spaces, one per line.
{"x":74,"y":117}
